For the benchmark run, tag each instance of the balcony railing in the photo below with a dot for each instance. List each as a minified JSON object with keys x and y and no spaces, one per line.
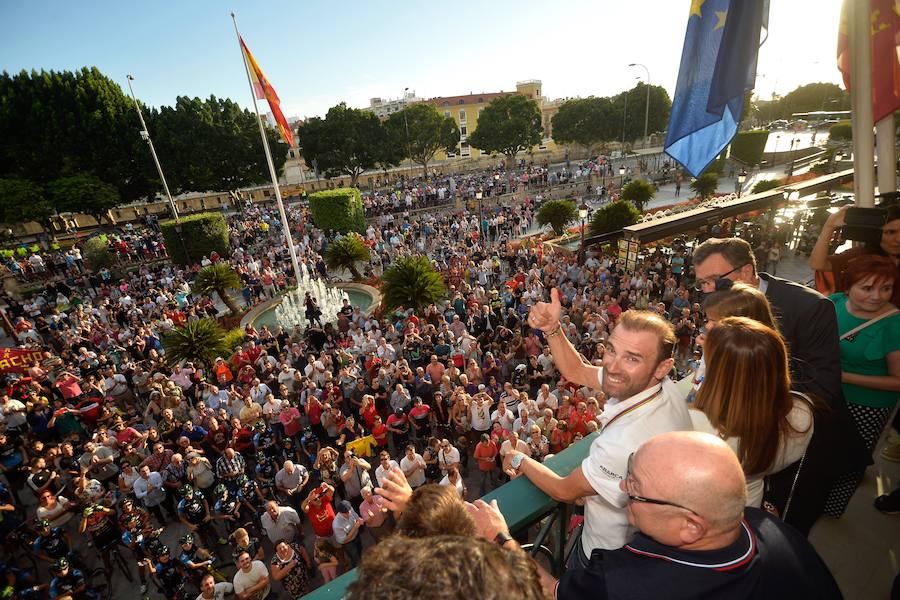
{"x":523,"y":505}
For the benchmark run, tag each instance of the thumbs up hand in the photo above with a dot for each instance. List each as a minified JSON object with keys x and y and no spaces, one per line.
{"x":545,"y":315}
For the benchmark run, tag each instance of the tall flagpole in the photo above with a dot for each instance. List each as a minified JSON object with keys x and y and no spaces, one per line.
{"x":262,"y":133}
{"x":861,"y":103}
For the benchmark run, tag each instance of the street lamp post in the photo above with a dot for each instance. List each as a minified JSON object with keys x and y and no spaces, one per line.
{"x":481,"y":228}
{"x":741,"y":178}
{"x":583,"y":210}
{"x":794,"y":142}
{"x":624,"y":117}
{"x":622,"y":176}
{"x":647,"y":107}
{"x":406,"y":124}
{"x":145,"y":135}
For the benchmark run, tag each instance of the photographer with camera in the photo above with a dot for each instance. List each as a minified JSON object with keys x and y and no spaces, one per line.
{"x":878,"y":228}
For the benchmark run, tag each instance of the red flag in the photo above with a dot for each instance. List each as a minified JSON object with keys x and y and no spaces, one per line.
{"x":18,"y":360}
{"x":885,"y":32}
{"x":264,"y":91}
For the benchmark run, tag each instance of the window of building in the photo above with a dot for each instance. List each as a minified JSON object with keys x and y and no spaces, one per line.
{"x":446,"y":113}
{"x":480,"y":99}
{"x":464,"y":149}
{"x":461,"y":101}
{"x":462,"y":116}
{"x":463,"y":131}
{"x":445,"y":103}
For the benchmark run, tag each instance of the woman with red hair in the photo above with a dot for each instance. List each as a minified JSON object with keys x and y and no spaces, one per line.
{"x":869,"y":326}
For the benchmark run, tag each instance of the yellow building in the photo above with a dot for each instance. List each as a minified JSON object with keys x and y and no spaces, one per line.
{"x":466,"y":109}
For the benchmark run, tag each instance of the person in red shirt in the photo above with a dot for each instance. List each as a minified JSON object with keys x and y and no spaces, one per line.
{"x":314,"y":410}
{"x":289,"y":417}
{"x":486,"y":457}
{"x":578,"y":418}
{"x":380,"y":433}
{"x":223,"y":373}
{"x":317,"y":506}
{"x":241,"y":436}
{"x":368,"y":412}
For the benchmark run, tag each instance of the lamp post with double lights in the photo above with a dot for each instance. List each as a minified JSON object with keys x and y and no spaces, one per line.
{"x":406,"y":124}
{"x":479,"y":195}
{"x":741,"y":178}
{"x":583,"y":210}
{"x":647,"y":107}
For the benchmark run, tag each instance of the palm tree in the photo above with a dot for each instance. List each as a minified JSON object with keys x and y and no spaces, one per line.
{"x":411,"y":282}
{"x":218,"y":278}
{"x":345,"y":252}
{"x":705,"y":185}
{"x":200,"y":340}
{"x":638,"y":192}
{"x":557,"y":214}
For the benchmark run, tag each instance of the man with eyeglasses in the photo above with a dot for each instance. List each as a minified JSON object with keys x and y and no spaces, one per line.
{"x":808,"y":323}
{"x":686,"y":495}
{"x":641,"y":402}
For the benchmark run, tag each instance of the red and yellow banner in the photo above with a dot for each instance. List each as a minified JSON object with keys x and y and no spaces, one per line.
{"x":17,"y":360}
{"x":264,"y":91}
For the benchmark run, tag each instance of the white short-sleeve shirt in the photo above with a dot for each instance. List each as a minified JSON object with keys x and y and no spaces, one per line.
{"x":606,"y":520}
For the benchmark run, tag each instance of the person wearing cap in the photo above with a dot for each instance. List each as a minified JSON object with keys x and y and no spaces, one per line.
{"x":346,"y":527}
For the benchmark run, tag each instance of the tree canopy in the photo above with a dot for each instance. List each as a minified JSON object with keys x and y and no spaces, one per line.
{"x":509,"y":124}
{"x":658,"y":117}
{"x":429,"y":131}
{"x":557,"y":214}
{"x":22,"y":200}
{"x":348,"y":141}
{"x":613,"y":217}
{"x":806,"y":98}
{"x":586,"y":122}
{"x":83,"y":194}
{"x":211,"y":144}
{"x":638,"y":192}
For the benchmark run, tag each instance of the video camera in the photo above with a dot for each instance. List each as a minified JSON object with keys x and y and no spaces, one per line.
{"x":865,"y":224}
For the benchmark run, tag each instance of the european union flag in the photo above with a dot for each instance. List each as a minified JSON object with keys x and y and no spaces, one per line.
{"x":718,"y":65}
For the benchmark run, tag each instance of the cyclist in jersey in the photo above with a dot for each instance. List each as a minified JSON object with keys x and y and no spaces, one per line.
{"x":266,"y":468}
{"x":196,"y":560}
{"x":166,"y":572}
{"x":52,"y":543}
{"x":251,"y":496}
{"x":98,"y":522}
{"x":227,"y":508}
{"x":69,"y":582}
{"x":193,"y":511}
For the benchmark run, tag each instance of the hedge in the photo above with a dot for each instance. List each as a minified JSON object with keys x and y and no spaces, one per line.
{"x":748,"y":146}
{"x":201,"y":235}
{"x":338,"y":210}
{"x":841,"y":131}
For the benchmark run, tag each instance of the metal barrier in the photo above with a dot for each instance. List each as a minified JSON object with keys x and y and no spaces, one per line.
{"x":523,"y":505}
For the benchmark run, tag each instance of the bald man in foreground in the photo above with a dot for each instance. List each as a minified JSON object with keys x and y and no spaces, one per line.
{"x":696,"y":539}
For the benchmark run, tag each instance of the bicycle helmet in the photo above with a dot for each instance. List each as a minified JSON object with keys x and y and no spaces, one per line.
{"x":187,"y":491}
{"x":259,"y":426}
{"x":221,"y":491}
{"x":41,"y":523}
{"x":242,"y":480}
{"x":261,"y":457}
{"x":60,"y":565}
{"x":162,"y":550}
{"x":187,"y":538}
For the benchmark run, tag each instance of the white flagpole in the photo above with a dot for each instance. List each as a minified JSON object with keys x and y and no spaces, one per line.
{"x":262,"y":133}
{"x":861,"y":103}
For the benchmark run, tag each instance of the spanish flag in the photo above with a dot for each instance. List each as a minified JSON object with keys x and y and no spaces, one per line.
{"x":264,"y":91}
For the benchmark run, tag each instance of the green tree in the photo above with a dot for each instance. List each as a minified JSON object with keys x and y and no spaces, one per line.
{"x":22,"y":200}
{"x":658,"y":117}
{"x":638,"y":192}
{"x":613,"y":217}
{"x":199,"y":341}
{"x":211,"y":144}
{"x":557,"y":214}
{"x":705,"y":185}
{"x":97,"y":254}
{"x":345,"y":253}
{"x":812,"y":97}
{"x":587,"y":122}
{"x":411,"y":282}
{"x":428,"y":132}
{"x":346,"y":142}
{"x":766,"y":185}
{"x":218,"y":278}
{"x":509,"y":124}
{"x":841,"y":132}
{"x":85,"y":194}
{"x":59,"y":124}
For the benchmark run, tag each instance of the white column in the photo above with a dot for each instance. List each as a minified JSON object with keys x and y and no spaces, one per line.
{"x":861,"y":103}
{"x":887,"y":159}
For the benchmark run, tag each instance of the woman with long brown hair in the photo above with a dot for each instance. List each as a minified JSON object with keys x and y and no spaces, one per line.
{"x":746,"y":399}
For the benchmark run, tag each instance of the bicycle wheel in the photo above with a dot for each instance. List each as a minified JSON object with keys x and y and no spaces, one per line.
{"x":123,"y":566}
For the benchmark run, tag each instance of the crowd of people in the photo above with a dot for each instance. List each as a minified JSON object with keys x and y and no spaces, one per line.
{"x":319,"y":446}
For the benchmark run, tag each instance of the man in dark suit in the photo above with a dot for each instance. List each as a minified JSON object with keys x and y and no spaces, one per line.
{"x":808,"y":323}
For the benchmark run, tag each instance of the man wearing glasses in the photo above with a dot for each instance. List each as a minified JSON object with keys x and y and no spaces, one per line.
{"x":641,"y":402}
{"x":808,"y":322}
{"x":686,"y":496}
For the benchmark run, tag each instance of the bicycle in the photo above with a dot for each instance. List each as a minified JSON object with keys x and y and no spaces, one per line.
{"x":112,"y":552}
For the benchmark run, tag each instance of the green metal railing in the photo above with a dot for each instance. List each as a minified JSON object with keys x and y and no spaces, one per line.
{"x":522,"y":505}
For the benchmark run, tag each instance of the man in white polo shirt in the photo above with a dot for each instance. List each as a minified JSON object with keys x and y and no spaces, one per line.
{"x":642,"y":402}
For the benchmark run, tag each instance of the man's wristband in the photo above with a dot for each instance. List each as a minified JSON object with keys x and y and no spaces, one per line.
{"x":502,"y":537}
{"x":555,"y":332}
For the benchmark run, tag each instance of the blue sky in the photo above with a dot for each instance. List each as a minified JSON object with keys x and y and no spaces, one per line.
{"x":319,"y":53}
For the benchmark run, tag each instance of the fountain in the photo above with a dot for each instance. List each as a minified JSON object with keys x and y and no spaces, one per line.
{"x":292,"y":309}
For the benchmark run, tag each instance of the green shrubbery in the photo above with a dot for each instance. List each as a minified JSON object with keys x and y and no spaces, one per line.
{"x":613,"y":217}
{"x":201,"y":235}
{"x":339,"y":210}
{"x":748,"y":146}
{"x":841,"y":131}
